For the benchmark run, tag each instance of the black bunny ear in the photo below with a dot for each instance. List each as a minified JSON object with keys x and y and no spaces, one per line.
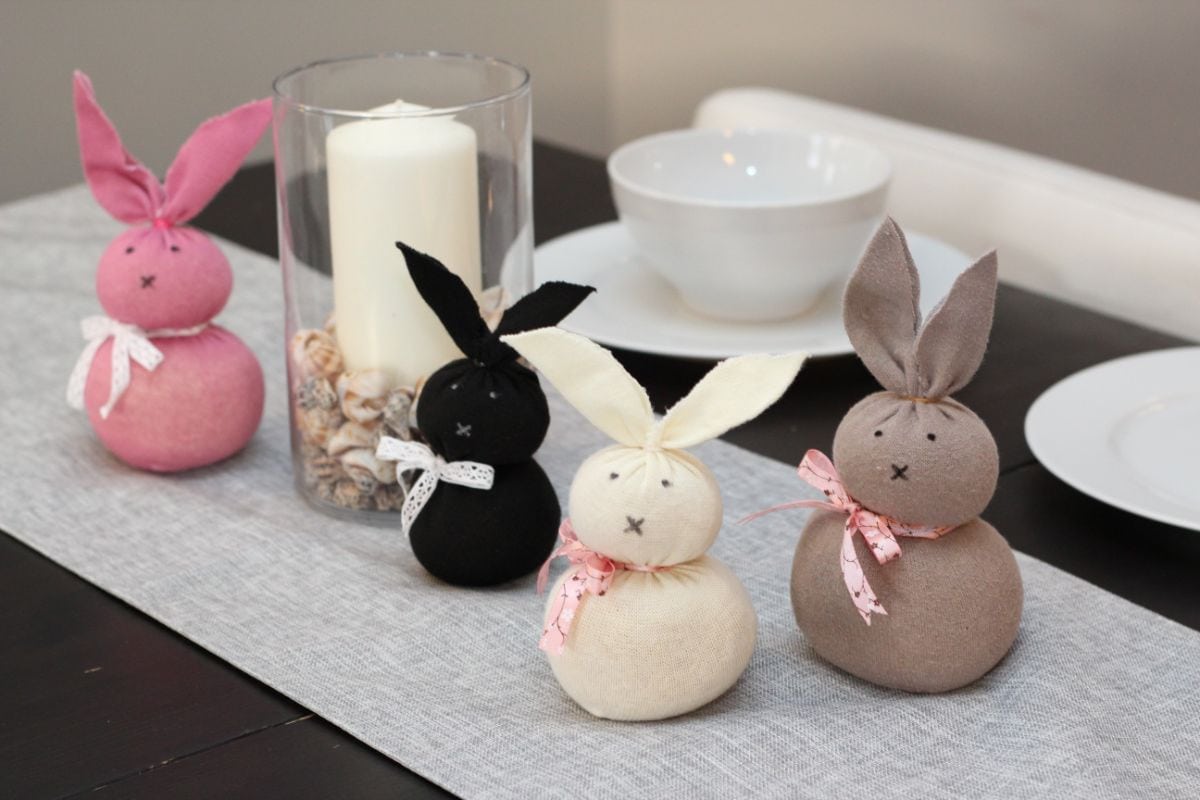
{"x":545,"y":306}
{"x":450,"y":299}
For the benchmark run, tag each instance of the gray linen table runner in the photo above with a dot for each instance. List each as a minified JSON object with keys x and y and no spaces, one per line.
{"x":1099,"y":698}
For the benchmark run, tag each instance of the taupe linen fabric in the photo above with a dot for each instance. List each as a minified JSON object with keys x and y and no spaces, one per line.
{"x":1098,"y":699}
{"x":953,"y":606}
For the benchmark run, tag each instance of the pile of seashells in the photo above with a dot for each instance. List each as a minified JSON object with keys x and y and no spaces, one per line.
{"x":340,"y":417}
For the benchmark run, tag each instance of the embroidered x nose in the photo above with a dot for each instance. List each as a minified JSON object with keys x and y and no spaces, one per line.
{"x":463,"y":430}
{"x":147,"y":281}
{"x":898,"y":472}
{"x":635,"y":525}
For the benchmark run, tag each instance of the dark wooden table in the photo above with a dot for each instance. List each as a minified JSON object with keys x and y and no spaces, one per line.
{"x":96,"y":697}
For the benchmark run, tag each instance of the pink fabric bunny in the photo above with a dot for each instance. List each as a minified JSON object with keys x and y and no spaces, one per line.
{"x":164,"y":388}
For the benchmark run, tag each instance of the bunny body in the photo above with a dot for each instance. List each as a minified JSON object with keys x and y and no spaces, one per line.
{"x":953,"y":606}
{"x":201,"y":405}
{"x":947,"y":611}
{"x":487,"y":410}
{"x":469,"y":537}
{"x":179,"y":392}
{"x":646,"y":625}
{"x":694,"y":634}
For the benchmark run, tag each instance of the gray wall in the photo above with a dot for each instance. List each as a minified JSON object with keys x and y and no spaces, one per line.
{"x":1106,"y":84}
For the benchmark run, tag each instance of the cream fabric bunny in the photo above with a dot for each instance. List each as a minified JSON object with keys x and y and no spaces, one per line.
{"x":646,"y":625}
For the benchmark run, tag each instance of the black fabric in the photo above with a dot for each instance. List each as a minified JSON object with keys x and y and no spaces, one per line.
{"x":449,"y":298}
{"x":494,"y":415}
{"x":488,"y":408}
{"x":547,"y":305}
{"x":476,"y":537}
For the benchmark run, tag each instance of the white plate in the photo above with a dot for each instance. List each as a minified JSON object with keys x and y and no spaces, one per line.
{"x":1127,"y":432}
{"x":635,"y":309}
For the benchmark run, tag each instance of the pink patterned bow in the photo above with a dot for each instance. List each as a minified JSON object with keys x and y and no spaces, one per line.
{"x":878,"y":531}
{"x":593,"y":573}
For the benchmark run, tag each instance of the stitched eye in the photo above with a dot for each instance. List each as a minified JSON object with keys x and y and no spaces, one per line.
{"x":666,"y":483}
{"x":878,"y":434}
{"x":931,"y":437}
{"x":612,"y":476}
{"x":174,"y":248}
{"x":129,"y":250}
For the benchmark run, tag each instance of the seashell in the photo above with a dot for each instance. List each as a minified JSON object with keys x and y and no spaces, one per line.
{"x":388,"y":497}
{"x":322,"y":469}
{"x":324,"y":491}
{"x":315,"y":353}
{"x":354,"y":436}
{"x":362,"y":462}
{"x":492,"y":303}
{"x":318,"y":425}
{"x":347,"y":495}
{"x":363,"y":394}
{"x":396,"y":413}
{"x":316,"y":393}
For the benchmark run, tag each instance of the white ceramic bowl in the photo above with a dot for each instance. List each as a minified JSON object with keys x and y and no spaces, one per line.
{"x":750,"y":225}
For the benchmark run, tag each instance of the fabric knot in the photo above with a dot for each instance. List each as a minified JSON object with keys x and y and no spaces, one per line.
{"x":416,"y":456}
{"x":592,"y":573}
{"x":880,"y":532}
{"x":162,"y":223}
{"x":129,"y":343}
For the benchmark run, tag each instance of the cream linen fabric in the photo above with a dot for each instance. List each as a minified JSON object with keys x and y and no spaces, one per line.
{"x":658,"y":644}
{"x":1098,"y":699}
{"x":672,"y":496}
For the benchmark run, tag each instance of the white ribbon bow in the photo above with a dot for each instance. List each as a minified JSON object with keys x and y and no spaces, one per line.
{"x":413,"y":455}
{"x":129,"y":342}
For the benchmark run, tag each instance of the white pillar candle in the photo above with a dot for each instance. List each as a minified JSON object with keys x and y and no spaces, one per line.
{"x":395,"y":179}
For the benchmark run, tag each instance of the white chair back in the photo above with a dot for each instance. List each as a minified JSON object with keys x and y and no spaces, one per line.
{"x":1083,"y":237}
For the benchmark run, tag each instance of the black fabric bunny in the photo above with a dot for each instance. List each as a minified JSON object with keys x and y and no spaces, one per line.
{"x":486,"y":410}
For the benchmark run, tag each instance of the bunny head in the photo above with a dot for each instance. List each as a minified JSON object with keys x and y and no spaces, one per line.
{"x":486,"y":407}
{"x":645,"y":500}
{"x":160,"y":274}
{"x":912,"y":452}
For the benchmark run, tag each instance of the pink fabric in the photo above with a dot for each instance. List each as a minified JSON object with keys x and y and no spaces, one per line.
{"x":202,"y":400}
{"x":201,"y":404}
{"x":207,"y":160}
{"x":189,"y":284}
{"x":593,"y":573}
{"x":878,"y":531}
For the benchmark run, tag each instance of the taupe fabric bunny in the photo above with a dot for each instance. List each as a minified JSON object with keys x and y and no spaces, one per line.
{"x":948,"y":610}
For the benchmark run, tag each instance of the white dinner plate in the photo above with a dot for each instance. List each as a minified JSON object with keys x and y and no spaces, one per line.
{"x":635,"y":309}
{"x":1127,"y":432}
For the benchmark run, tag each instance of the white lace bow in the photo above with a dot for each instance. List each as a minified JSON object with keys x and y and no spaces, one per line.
{"x":129,"y":343}
{"x":413,"y":455}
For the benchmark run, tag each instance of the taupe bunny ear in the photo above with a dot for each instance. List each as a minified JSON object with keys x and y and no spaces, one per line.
{"x":881,"y":310}
{"x":951,"y":345}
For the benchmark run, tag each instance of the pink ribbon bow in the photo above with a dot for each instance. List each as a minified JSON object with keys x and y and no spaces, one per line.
{"x":878,"y":531}
{"x":593,"y":573}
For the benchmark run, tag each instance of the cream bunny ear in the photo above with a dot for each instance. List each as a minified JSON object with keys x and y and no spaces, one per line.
{"x":733,"y":392}
{"x":591,"y":380}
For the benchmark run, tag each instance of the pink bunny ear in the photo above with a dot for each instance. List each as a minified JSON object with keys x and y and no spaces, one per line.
{"x":120,"y":182}
{"x":210,"y":157}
